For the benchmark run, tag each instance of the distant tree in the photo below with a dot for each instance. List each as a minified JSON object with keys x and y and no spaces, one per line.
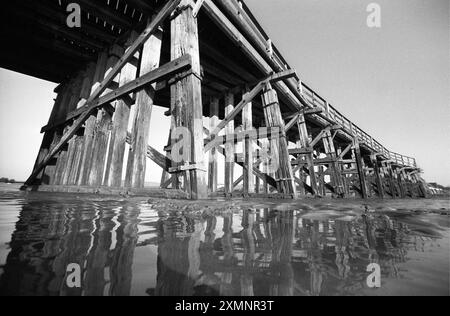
{"x":3,"y":180}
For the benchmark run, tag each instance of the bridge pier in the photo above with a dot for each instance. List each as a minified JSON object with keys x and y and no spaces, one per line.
{"x":98,"y":136}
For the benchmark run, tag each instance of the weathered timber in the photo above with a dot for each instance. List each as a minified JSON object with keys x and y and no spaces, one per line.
{"x":137,"y":163}
{"x":330,"y":151}
{"x":213,"y":165}
{"x":186,"y":99}
{"x":378,"y":179}
{"x":90,"y":125}
{"x":229,"y":146}
{"x":247,"y":126}
{"x":279,"y":146}
{"x":305,"y":143}
{"x":117,"y":144}
{"x":102,"y":130}
{"x":360,"y":167}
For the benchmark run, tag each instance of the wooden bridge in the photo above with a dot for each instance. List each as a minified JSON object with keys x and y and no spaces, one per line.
{"x":197,"y":59}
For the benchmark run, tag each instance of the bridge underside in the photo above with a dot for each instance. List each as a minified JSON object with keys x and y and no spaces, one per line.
{"x":197,"y":59}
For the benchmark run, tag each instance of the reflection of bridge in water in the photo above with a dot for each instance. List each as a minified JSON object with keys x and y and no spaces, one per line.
{"x":256,"y":252}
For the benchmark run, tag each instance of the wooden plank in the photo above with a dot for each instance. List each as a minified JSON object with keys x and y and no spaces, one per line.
{"x":165,"y":71}
{"x":229,"y":146}
{"x":247,"y":125}
{"x":392,"y":184}
{"x":360,"y":168}
{"x":162,"y":161}
{"x":72,"y":104}
{"x":79,"y":140}
{"x":117,"y":145}
{"x":345,"y":152}
{"x":197,"y":8}
{"x":186,"y":99}
{"x":266,"y":178}
{"x":292,"y":123}
{"x":336,"y":176}
{"x":279,"y":146}
{"x":89,"y":130}
{"x":305,"y":144}
{"x":213,"y":164}
{"x":137,"y":163}
{"x":102,"y":131}
{"x":378,"y":179}
{"x":240,"y":136}
{"x":249,"y":96}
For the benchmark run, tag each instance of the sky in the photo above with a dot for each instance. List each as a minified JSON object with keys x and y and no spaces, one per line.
{"x":393,"y":81}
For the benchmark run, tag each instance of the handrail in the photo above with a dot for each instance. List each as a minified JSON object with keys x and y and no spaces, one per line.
{"x":315,"y":100}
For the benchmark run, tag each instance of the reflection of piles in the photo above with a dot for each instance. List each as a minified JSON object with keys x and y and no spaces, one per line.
{"x":97,"y":260}
{"x":34,"y":244}
{"x":281,"y":269}
{"x":226,"y":288}
{"x":122,"y":255}
{"x":248,"y":240}
{"x":177,"y":259}
{"x":76,"y":244}
{"x":343,"y":237}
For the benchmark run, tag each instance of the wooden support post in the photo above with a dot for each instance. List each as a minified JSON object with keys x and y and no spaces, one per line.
{"x":166,"y":178}
{"x":264,"y":168}
{"x":229,"y":146}
{"x":102,"y":129}
{"x":247,"y":122}
{"x":378,"y":179}
{"x":117,"y":145}
{"x":80,"y":138}
{"x":336,"y":176}
{"x":137,"y":162}
{"x":61,"y":161}
{"x":392,"y":186}
{"x":50,"y":137}
{"x":212,"y":170}
{"x":67,"y":166}
{"x":258,"y":181}
{"x":305,"y":143}
{"x":360,"y":167}
{"x":401,"y":183}
{"x":186,"y":97}
{"x":321,"y":178}
{"x":423,"y":192}
{"x":89,"y":130}
{"x":279,"y":146}
{"x":302,"y":190}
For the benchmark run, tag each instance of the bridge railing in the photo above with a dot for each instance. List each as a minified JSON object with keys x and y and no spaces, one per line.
{"x":316,"y":101}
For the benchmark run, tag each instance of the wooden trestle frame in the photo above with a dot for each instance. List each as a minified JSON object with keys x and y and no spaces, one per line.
{"x":319,"y":152}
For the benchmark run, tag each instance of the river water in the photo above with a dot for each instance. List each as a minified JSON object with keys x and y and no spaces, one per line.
{"x":129,"y":247}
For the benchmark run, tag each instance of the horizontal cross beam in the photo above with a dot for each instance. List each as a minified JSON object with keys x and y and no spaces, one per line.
{"x":168,"y":70}
{"x":248,"y":97}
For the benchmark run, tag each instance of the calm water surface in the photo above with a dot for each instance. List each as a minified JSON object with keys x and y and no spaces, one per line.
{"x":127,"y":248}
